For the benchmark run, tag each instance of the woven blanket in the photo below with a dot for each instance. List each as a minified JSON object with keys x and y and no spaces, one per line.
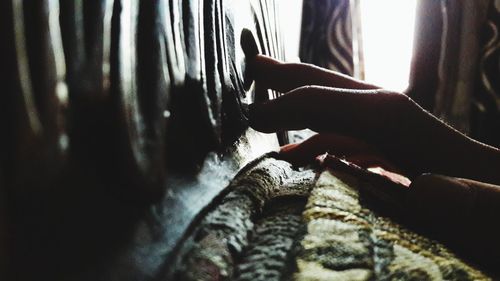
{"x":279,"y":223}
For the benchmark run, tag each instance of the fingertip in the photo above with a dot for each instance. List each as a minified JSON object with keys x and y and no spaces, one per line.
{"x":294,"y":154}
{"x":286,"y":151}
{"x":257,"y":117}
{"x":299,"y":154}
{"x":288,"y":148}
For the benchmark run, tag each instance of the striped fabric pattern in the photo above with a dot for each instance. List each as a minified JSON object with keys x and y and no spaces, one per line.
{"x":326,"y":38}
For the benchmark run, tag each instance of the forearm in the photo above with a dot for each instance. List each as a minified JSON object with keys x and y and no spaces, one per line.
{"x":426,"y":144}
{"x":392,"y":122}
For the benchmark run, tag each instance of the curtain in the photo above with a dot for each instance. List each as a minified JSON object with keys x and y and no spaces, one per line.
{"x":463,"y":22}
{"x":485,"y":111}
{"x":455,"y":68}
{"x":456,"y":65}
{"x":327,"y":37}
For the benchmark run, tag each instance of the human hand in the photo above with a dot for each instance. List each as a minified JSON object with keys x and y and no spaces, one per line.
{"x":325,"y":101}
{"x":349,"y":149}
{"x":356,"y":120}
{"x":329,"y":102}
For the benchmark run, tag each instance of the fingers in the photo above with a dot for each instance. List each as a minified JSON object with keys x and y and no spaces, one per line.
{"x":353,"y":150}
{"x":284,"y":77}
{"x":359,"y":113}
{"x":341,"y":146}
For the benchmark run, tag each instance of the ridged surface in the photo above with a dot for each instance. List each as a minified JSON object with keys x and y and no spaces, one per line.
{"x":347,"y":241}
{"x":259,"y":232}
{"x":273,"y":244}
{"x":237,"y":229}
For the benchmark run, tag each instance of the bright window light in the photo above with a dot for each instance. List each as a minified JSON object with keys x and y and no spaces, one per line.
{"x":387,"y":28}
{"x":291,"y":19}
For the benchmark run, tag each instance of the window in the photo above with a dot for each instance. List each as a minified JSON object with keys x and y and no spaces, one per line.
{"x":387,"y":31}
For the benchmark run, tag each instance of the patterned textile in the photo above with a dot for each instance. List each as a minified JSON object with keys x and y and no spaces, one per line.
{"x":460,"y":83}
{"x":486,"y":101}
{"x":279,"y":223}
{"x":347,"y":241}
{"x":457,"y":53}
{"x":463,"y":22}
{"x":326,"y":38}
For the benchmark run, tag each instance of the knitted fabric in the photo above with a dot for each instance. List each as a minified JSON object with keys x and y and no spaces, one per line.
{"x":279,"y":223}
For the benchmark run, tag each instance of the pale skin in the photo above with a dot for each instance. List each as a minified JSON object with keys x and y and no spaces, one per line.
{"x":450,"y":172}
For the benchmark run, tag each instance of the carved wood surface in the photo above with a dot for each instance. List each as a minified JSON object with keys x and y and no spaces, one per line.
{"x":37,"y":93}
{"x":137,"y":85}
{"x":124,"y":119}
